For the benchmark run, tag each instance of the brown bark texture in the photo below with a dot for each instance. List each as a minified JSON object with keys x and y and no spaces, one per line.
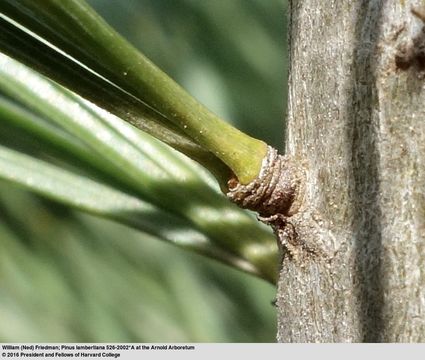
{"x":354,"y":271}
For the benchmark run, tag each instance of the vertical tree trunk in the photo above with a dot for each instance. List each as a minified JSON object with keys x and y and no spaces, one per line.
{"x":355,"y":271}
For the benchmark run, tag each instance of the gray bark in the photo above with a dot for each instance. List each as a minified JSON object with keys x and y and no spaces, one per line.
{"x":356,"y":119}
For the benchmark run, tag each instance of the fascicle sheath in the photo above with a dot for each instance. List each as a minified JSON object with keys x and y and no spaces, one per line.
{"x":277,"y":189}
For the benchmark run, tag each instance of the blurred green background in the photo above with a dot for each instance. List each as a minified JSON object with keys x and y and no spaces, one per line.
{"x":66,"y":276}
